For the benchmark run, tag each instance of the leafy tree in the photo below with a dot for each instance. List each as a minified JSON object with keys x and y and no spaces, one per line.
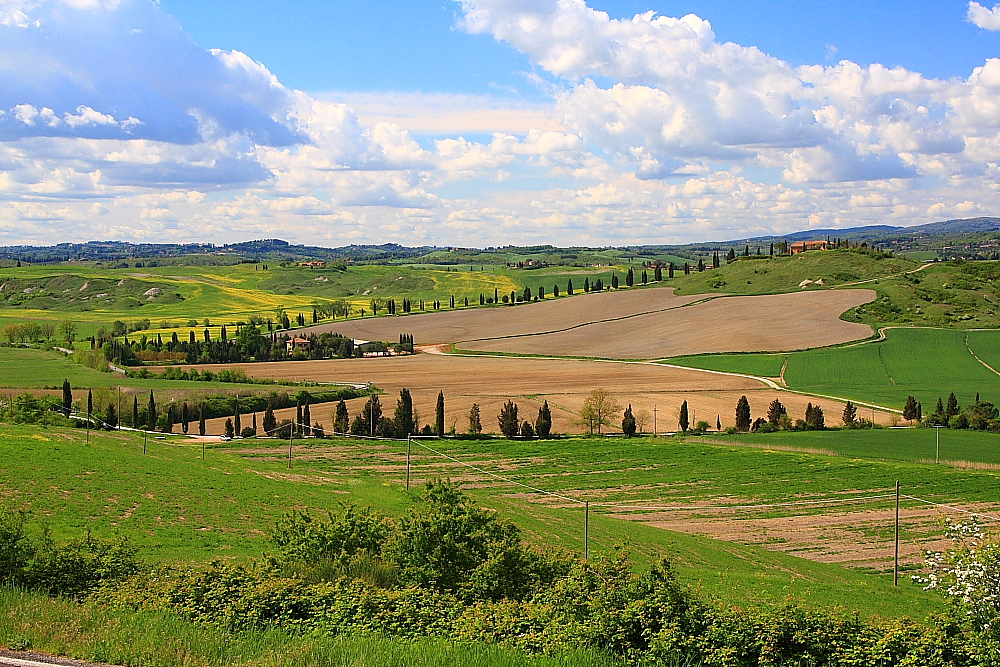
{"x":439,"y":415}
{"x":403,"y":417}
{"x":952,"y":408}
{"x":270,"y":424}
{"x":628,"y":423}
{"x":743,"y":420}
{"x":509,"y":424}
{"x":683,"y":420}
{"x":67,"y":398}
{"x":68,"y":330}
{"x":475,"y":420}
{"x":543,"y":424}
{"x":599,"y":408}
{"x":342,"y":420}
{"x":910,"y":409}
{"x":774,"y":412}
{"x":850,"y":412}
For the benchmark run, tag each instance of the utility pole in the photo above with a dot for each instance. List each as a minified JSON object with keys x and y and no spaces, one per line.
{"x":144,"y":432}
{"x":291,"y":434}
{"x":895,"y":566}
{"x":937,"y":449}
{"x":407,"y":462}
{"x":654,"y":420}
{"x":586,"y":531}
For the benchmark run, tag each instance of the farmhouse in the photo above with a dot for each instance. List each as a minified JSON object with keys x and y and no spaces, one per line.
{"x":299,"y":343}
{"x":317,"y":264}
{"x":802,"y":246}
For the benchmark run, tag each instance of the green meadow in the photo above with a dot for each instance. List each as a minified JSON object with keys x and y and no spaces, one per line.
{"x":179,"y":508}
{"x":919,"y":362}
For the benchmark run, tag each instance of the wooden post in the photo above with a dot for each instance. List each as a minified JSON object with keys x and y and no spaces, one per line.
{"x":895,"y":566}
{"x":407,"y":462}
{"x":144,"y":432}
{"x":586,"y":531}
{"x":291,"y":434}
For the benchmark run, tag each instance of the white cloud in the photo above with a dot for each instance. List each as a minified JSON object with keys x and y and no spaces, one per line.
{"x":987,"y":19}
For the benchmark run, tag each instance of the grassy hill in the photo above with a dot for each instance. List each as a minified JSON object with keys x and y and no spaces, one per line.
{"x":180,"y":508}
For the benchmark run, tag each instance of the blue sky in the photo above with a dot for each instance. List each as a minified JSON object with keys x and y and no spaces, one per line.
{"x":483,"y":122}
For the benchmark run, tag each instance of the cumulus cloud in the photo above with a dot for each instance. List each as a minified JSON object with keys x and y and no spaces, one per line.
{"x":987,"y":19}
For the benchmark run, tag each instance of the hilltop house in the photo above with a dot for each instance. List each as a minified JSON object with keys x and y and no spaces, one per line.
{"x":802,"y":246}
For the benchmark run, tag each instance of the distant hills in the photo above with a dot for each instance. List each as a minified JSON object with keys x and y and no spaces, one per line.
{"x":966,"y":233}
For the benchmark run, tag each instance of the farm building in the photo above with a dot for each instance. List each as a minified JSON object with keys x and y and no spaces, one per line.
{"x":313,"y":265}
{"x":300,"y":343}
{"x":802,"y":246}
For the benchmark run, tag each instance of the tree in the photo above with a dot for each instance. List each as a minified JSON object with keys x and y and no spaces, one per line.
{"x":237,"y":422}
{"x":743,"y":420}
{"x":850,"y":414}
{"x":670,"y":270}
{"x":230,"y":431}
{"x":110,"y":417}
{"x":90,"y":404}
{"x":910,"y":409}
{"x":814,"y":417}
{"x":701,"y":264}
{"x":403,"y":417}
{"x":306,"y":418}
{"x":475,"y":420}
{"x":586,"y":284}
{"x":731,"y":256}
{"x":543,"y":423}
{"x":371,"y":417}
{"x":341,"y":420}
{"x":68,"y":330}
{"x":67,"y":400}
{"x":774,"y":412}
{"x":715,"y":260}
{"x":555,"y":291}
{"x":658,"y":273}
{"x":599,"y":408}
{"x":683,"y":421}
{"x":527,"y":430}
{"x":509,"y":424}
{"x":297,"y":426}
{"x":952,"y":408}
{"x":628,"y":423}
{"x":135,"y":412}
{"x":151,"y":413}
{"x":202,"y":427}
{"x":185,"y":418}
{"x":269,"y":423}
{"x":439,"y":415}
{"x":718,"y":422}
{"x":629,"y":278}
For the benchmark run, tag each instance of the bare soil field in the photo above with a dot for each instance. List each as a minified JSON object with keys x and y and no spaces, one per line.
{"x":449,"y":326}
{"x":770,"y":323}
{"x":564,"y":383}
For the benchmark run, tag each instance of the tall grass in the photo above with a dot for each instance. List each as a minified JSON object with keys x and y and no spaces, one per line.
{"x":146,"y":639}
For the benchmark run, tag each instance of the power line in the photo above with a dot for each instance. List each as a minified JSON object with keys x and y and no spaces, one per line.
{"x":741,"y":507}
{"x":955,"y":509}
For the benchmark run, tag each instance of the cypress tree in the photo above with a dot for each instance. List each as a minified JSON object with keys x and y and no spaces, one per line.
{"x":255,"y":424}
{"x":743,"y":418}
{"x":569,"y":287}
{"x":509,"y":423}
{"x":543,"y":424}
{"x":439,"y":415}
{"x":645,"y":278}
{"x":541,"y":292}
{"x":629,"y":278}
{"x":687,"y":269}
{"x":774,"y":412}
{"x":496,"y":295}
{"x":208,"y":337}
{"x":342,"y":421}
{"x":67,"y":400}
{"x":191,"y":337}
{"x":658,"y":273}
{"x":701,"y":265}
{"x":306,"y":418}
{"x":731,"y":256}
{"x":482,"y":299}
{"x":614,"y":281}
{"x":718,"y":422}
{"x":715,"y":260}
{"x":202,"y":426}
{"x":586,"y":284}
{"x":940,"y":408}
{"x":952,"y":408}
{"x":850,"y":415}
{"x":910,"y":409}
{"x":237,"y":421}
{"x":135,"y":411}
{"x":555,"y":291}
{"x":670,"y":270}
{"x":298,"y":418}
{"x":270,"y":423}
{"x":90,"y":403}
{"x":628,"y":423}
{"x":403,"y":418}
{"x":682,"y":417}
{"x":151,"y":412}
{"x":185,"y":418}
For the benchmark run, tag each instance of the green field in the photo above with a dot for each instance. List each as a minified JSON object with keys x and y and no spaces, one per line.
{"x":179,"y":508}
{"x":899,"y":444}
{"x":924,"y":363}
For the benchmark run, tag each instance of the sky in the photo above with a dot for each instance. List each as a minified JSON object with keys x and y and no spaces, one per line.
{"x":492,"y":122}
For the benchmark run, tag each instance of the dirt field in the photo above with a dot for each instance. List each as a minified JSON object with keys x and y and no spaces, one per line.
{"x":727,"y":324}
{"x":448,"y":326}
{"x":565,"y":383}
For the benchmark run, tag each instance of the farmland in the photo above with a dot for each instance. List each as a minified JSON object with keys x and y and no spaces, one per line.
{"x":182,"y":509}
{"x":884,"y":371}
